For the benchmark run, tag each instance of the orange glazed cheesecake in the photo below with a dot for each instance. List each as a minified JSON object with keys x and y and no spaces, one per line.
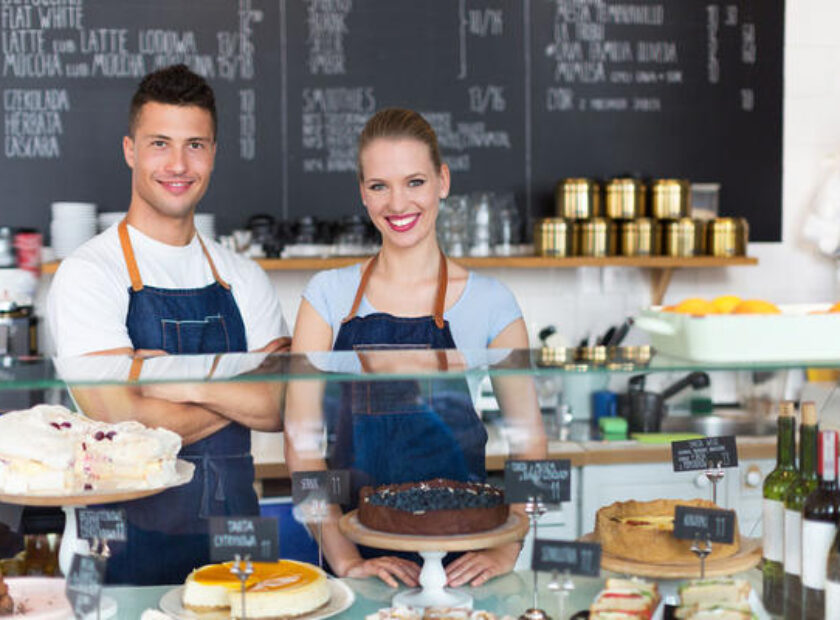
{"x":279,"y":589}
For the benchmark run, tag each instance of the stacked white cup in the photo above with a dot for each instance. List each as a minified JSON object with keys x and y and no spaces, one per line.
{"x":72,"y":224}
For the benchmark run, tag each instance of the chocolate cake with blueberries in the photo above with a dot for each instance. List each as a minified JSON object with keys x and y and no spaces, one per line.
{"x":433,"y":508}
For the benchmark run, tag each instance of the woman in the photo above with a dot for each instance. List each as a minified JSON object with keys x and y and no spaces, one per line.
{"x":408,"y":296}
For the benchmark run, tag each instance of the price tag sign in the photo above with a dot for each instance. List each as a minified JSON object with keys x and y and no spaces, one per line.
{"x":549,"y":480}
{"x":84,"y":584}
{"x":332,"y":486}
{"x":576,"y":557}
{"x":717,"y":525}
{"x":10,"y":516}
{"x":706,"y":453}
{"x":101,"y":523}
{"x":253,"y":536}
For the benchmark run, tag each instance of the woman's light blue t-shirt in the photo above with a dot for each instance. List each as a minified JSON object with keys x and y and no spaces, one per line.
{"x":484,"y":309}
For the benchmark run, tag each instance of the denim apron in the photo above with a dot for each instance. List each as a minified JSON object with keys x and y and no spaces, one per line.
{"x":167,"y":533}
{"x":388,"y":432}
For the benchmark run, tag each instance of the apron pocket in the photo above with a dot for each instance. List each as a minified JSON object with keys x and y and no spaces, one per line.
{"x":201,"y":336}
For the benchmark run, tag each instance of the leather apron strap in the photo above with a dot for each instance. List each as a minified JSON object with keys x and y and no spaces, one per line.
{"x":440,"y":295}
{"x":131,"y":260}
{"x":128,"y":256}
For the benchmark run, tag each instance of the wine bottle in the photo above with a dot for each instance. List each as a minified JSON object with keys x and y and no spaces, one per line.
{"x":819,"y":526}
{"x":773,"y":509}
{"x":832,"y":576}
{"x":798,"y":492}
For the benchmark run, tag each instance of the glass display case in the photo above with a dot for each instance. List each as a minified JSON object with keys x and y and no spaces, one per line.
{"x":385,"y":417}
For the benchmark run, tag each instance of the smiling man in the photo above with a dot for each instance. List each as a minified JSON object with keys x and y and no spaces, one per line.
{"x":152,"y":285}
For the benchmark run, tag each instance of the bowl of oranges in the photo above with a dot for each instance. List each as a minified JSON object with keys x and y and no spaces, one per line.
{"x":729,"y":328}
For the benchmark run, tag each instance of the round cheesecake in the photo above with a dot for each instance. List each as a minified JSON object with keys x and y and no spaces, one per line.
{"x":433,"y":508}
{"x":281,"y":589}
{"x":644,"y":532}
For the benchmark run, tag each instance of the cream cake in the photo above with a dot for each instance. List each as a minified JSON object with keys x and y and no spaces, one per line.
{"x":49,"y":449}
{"x":281,"y":589}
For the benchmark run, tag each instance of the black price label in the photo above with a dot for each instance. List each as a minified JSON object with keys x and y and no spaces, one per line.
{"x":256,"y":537}
{"x":702,"y":523}
{"x":548,"y":480}
{"x":10,"y":516}
{"x":576,"y":557}
{"x":84,"y":584}
{"x":332,"y":486}
{"x":706,"y":453}
{"x":101,"y":523}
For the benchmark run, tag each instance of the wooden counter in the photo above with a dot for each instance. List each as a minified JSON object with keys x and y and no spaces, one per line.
{"x":268,"y":453}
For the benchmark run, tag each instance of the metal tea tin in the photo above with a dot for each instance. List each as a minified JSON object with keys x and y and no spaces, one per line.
{"x":683,"y":237}
{"x":669,"y":198}
{"x":724,"y":238}
{"x":596,"y":237}
{"x":638,"y":237}
{"x":554,"y":236}
{"x":577,"y":198}
{"x":625,"y":198}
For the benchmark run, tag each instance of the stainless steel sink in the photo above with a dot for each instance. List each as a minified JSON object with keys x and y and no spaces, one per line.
{"x":723,"y":422}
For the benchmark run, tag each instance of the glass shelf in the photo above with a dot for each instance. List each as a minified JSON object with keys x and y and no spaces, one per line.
{"x":22,"y":373}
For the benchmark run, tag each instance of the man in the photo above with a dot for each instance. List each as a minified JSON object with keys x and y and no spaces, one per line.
{"x":152,"y":285}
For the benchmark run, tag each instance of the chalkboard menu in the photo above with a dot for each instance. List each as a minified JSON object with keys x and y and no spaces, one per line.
{"x":520,"y":93}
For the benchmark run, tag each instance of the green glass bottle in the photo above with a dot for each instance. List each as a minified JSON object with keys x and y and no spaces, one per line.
{"x":773,"y":509}
{"x":798,"y":492}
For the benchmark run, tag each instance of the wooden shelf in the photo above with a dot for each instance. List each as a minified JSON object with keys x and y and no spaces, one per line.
{"x":525,"y":262}
{"x":662,"y":266}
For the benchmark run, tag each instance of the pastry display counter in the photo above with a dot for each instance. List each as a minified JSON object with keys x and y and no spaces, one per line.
{"x":511,"y":594}
{"x":601,"y":471}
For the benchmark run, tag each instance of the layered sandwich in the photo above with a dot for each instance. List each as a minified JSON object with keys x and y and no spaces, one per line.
{"x":625,"y":599}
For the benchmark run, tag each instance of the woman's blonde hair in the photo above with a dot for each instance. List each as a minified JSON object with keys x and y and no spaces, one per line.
{"x":398,"y":123}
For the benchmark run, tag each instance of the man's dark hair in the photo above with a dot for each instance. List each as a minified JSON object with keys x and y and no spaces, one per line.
{"x":174,"y":85}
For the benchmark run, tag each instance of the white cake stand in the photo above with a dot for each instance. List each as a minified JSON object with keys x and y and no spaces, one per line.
{"x":70,"y":542}
{"x":432,"y":549}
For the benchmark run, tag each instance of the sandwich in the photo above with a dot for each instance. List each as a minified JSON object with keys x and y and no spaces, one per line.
{"x":721,"y":591}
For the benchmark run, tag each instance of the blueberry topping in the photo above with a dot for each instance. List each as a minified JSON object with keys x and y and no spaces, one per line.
{"x":99,"y":436}
{"x":424,"y":498}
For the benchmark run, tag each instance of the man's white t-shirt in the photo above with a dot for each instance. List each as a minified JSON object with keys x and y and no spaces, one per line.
{"x":88,"y":299}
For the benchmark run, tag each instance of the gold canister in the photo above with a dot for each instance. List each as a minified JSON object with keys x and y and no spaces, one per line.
{"x":577,"y":199}
{"x":553,"y":236}
{"x":638,"y":237}
{"x":669,"y":198}
{"x":723,"y":238}
{"x":596,"y":237}
{"x":625,"y":198}
{"x":683,"y":237}
{"x":743,"y":231}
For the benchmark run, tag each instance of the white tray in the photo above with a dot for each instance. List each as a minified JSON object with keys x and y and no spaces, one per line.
{"x":793,"y":336}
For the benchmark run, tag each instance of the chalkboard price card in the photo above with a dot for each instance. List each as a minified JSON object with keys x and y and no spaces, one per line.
{"x":102,"y":524}
{"x":10,"y":516}
{"x":717,"y":525}
{"x":256,"y":537}
{"x":84,"y":584}
{"x":576,"y":557}
{"x":332,"y":486}
{"x":706,"y":453}
{"x":548,"y":480}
